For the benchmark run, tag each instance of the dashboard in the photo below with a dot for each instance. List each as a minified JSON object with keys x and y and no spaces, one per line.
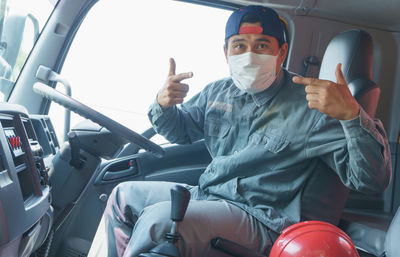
{"x":28,"y":145}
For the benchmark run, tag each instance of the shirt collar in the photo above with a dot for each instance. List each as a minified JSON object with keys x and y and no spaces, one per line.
{"x":264,"y":96}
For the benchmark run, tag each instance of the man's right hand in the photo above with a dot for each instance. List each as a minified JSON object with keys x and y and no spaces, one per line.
{"x":173,"y":91}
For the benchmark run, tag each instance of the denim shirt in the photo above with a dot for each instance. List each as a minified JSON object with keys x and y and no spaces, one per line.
{"x":273,"y":156}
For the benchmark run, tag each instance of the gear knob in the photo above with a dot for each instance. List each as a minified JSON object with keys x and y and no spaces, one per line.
{"x":180,"y":197}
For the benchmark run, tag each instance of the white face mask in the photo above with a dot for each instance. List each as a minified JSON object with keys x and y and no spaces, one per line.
{"x":252,"y":72}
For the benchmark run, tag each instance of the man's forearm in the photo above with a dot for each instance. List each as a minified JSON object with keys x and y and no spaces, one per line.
{"x":176,"y":125}
{"x":369,"y":153}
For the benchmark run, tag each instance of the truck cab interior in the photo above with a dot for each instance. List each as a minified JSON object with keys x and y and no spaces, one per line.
{"x":61,"y":156}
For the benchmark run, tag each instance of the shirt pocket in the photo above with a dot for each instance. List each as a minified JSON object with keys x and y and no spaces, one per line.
{"x":217,"y":128}
{"x":272,"y":140}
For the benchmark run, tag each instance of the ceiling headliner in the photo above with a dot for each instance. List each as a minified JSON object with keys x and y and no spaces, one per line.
{"x":381,"y":14}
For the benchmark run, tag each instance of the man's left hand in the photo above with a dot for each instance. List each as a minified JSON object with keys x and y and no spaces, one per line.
{"x":332,"y":99}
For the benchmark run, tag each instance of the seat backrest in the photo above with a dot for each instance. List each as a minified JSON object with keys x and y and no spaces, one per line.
{"x":354,"y":49}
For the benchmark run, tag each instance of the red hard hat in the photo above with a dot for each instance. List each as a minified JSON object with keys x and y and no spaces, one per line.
{"x":313,"y":239}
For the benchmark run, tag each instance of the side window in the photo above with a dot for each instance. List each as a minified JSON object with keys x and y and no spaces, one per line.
{"x":120,"y":56}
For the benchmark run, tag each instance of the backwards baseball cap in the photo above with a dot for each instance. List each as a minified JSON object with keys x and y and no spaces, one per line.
{"x":271,"y":24}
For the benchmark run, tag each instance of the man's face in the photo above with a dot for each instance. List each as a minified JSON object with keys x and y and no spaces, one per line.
{"x":256,"y":43}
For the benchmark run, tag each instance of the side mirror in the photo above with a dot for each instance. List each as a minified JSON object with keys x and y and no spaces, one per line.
{"x":5,"y":72}
{"x":12,"y":33}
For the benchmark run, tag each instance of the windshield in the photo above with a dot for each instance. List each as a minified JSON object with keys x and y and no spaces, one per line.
{"x":125,"y":56}
{"x":21,"y":22}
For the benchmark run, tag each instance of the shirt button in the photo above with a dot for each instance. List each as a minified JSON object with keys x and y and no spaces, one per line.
{"x":235,"y":152}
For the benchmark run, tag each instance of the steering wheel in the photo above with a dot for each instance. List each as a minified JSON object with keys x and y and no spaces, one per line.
{"x":93,"y":115}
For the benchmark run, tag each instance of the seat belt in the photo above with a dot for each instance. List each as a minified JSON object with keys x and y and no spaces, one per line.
{"x":307,"y":61}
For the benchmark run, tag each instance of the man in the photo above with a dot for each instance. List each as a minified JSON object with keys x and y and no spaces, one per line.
{"x":269,"y":138}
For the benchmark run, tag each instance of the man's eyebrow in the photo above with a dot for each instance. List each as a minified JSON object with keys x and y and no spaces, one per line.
{"x":237,"y":40}
{"x":263,"y":40}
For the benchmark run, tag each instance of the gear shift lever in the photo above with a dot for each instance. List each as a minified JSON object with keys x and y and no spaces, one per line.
{"x":180,"y":197}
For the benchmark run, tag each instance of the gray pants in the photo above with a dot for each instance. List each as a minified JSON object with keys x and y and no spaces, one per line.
{"x":137,"y":217}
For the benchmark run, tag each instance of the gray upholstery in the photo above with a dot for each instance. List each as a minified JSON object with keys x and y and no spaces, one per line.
{"x":366,"y":231}
{"x":392,"y":245}
{"x":354,"y":49}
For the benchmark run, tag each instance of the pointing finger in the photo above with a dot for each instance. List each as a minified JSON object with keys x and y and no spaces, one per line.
{"x":313,"y":82}
{"x":339,"y":75}
{"x":172,"y":67}
{"x":303,"y":81}
{"x":182,"y":76}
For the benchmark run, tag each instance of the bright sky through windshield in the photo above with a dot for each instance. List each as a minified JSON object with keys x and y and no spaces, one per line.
{"x":119,"y":58}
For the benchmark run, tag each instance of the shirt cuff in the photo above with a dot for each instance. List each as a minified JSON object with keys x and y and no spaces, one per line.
{"x":156,"y":110}
{"x":357,"y":126}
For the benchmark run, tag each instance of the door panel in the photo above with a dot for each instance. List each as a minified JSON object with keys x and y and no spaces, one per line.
{"x":181,"y":163}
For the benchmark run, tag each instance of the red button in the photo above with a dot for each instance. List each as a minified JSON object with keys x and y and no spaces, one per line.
{"x":12,"y":141}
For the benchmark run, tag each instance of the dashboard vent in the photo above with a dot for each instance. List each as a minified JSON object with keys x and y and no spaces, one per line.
{"x":45,"y":134}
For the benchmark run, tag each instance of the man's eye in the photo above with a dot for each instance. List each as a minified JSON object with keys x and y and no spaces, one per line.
{"x":261,"y":46}
{"x":238,"y":46}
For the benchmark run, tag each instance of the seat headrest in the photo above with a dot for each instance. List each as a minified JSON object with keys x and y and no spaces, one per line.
{"x":354,"y":49}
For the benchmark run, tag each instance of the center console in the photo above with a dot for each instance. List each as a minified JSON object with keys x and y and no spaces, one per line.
{"x":27,"y":146}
